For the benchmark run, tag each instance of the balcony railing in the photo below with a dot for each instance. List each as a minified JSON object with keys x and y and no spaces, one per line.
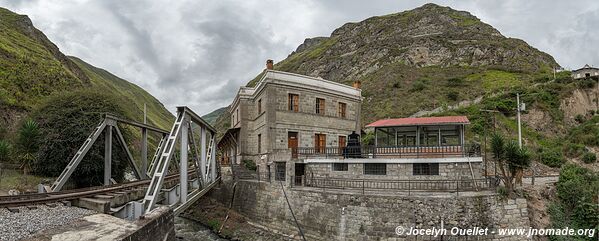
{"x":470,"y":150}
{"x":448,"y":185}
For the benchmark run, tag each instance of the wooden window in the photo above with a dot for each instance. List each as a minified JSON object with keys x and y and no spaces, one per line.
{"x":340,"y":167}
{"x":342,"y":141}
{"x":259,"y":143}
{"x":320,"y":106}
{"x":259,"y":106}
{"x":425,"y":169}
{"x":375,"y":169}
{"x":293,"y":101}
{"x":320,"y":143}
{"x":280,"y":171}
{"x":342,"y":109}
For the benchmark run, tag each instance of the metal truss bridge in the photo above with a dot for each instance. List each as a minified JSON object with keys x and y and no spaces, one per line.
{"x":182,"y":169}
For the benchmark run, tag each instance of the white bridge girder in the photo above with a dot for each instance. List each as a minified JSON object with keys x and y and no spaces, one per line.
{"x":183,"y":132}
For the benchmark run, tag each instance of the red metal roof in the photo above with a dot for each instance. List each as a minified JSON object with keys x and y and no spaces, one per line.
{"x":420,"y":121}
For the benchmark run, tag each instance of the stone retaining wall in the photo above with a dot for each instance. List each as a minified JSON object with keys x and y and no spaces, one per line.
{"x":350,"y":216}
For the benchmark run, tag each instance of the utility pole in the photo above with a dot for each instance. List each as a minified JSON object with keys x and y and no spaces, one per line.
{"x":519,"y":122}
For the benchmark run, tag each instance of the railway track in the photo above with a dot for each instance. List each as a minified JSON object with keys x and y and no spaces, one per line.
{"x":68,"y":195}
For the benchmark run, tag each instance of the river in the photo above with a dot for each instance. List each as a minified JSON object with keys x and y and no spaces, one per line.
{"x":190,"y":230}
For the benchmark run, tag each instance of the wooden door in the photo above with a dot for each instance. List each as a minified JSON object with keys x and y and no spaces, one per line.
{"x":292,"y":143}
{"x":320,"y":142}
{"x":342,"y":143}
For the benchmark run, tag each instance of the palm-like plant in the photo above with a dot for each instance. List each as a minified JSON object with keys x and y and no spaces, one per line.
{"x":511,"y":160}
{"x":4,"y":150}
{"x":28,"y":144}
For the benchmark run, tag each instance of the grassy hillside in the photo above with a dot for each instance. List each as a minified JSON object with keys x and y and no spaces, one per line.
{"x":65,"y":96}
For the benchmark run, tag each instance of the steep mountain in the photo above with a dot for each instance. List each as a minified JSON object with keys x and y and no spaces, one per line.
{"x":32,"y":69}
{"x":420,"y":59}
{"x":435,"y":60}
{"x":212,"y":117}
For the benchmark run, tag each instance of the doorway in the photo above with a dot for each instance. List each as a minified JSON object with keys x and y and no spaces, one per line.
{"x":292,"y":143}
{"x":300,"y":171}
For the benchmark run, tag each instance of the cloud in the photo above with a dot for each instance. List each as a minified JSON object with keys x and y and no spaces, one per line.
{"x":198,"y":53}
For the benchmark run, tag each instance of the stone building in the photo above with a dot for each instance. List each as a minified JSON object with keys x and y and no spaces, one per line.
{"x":286,"y":111}
{"x":585,"y":72}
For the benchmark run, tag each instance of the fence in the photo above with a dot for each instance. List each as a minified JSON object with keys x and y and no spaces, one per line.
{"x":241,"y":173}
{"x":459,"y":185}
{"x":470,"y":150}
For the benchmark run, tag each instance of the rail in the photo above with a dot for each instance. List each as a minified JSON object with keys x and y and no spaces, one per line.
{"x":39,"y":198}
{"x":470,"y":150}
{"x":363,"y":185}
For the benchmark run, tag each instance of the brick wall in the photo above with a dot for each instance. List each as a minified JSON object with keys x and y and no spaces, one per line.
{"x":397,"y":171}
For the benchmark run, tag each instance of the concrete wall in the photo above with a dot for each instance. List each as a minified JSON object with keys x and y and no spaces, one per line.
{"x":345,"y":216}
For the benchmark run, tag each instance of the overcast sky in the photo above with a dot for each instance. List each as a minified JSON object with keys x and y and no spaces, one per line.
{"x":198,"y":53}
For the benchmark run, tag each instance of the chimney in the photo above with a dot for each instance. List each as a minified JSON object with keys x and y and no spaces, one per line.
{"x":357,"y":84}
{"x":269,"y":64}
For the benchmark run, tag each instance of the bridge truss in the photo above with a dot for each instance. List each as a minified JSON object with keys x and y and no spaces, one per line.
{"x":203,"y":159}
{"x":187,"y":127}
{"x":108,"y":126}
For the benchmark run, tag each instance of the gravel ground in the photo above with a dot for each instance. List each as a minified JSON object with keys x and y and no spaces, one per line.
{"x":26,"y":222}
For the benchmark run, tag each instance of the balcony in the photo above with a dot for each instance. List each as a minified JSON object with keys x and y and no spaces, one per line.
{"x":469,"y":150}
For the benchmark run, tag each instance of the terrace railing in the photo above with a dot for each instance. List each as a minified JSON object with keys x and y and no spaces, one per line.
{"x":363,"y":185}
{"x":470,"y":150}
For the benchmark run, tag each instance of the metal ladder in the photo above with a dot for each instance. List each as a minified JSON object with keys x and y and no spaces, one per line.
{"x":162,"y":165}
{"x":66,"y":173}
{"x":155,"y":157}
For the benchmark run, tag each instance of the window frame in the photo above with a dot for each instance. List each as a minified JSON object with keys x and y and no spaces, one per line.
{"x":259,"y":106}
{"x":320,"y":106}
{"x":293,"y":102}
{"x":342,"y":110}
{"x":340,"y":167}
{"x":425,"y":169}
{"x":377,"y":169}
{"x":259,"y":143}
{"x":318,"y":148}
{"x":280,"y":171}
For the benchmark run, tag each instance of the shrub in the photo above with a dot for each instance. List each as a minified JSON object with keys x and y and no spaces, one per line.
{"x":455,"y":82}
{"x":579,"y":118}
{"x":586,"y":83}
{"x":28,"y":144}
{"x":65,"y":121}
{"x":250,"y":165}
{"x":418,"y":85}
{"x":574,"y":149}
{"x":577,"y":189}
{"x":552,"y":158}
{"x":4,"y":151}
{"x":589,"y":157}
{"x":453,"y":95}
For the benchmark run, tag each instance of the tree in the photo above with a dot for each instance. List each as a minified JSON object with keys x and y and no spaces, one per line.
{"x":4,"y":151}
{"x":66,"y":120}
{"x":28,"y":144}
{"x":511,"y":160}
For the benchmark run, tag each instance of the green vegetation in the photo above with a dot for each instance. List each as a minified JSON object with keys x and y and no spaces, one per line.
{"x":65,"y":121}
{"x":511,"y":160}
{"x":14,"y":179}
{"x":495,"y":80}
{"x":5,"y":148}
{"x":214,"y":224}
{"x":28,"y":144}
{"x":576,"y":208}
{"x":586,"y":133}
{"x":589,"y":157}
{"x":36,"y":80}
{"x":250,"y":165}
{"x":551,"y":157}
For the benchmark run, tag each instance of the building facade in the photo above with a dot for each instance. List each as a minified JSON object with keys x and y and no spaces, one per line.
{"x":296,"y":127}
{"x":585,"y":72}
{"x":286,"y":111}
{"x":428,"y":148}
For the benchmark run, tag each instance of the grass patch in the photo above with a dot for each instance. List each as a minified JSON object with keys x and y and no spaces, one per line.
{"x":494,"y":80}
{"x":15,"y":179}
